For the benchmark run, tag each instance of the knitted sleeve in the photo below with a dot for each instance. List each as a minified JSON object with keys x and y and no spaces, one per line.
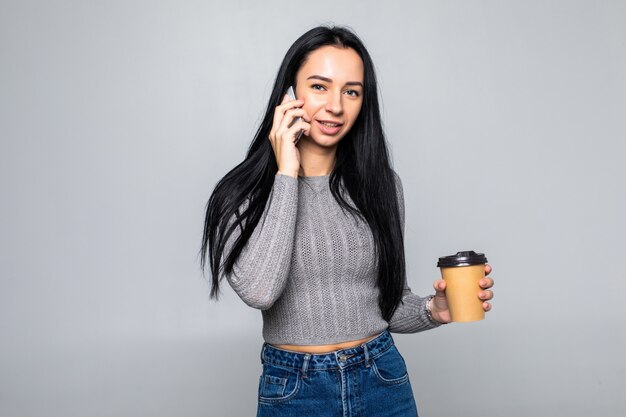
{"x":411,"y":315}
{"x":261,"y":270}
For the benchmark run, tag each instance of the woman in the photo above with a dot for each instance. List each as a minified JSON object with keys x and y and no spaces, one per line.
{"x":310,"y":231}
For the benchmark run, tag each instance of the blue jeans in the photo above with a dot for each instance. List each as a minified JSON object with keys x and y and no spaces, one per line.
{"x":367,"y":380}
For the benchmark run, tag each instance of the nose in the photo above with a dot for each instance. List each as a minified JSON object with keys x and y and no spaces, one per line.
{"x":334,"y":104}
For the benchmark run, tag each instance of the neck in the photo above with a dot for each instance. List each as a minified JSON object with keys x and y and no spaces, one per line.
{"x":316,"y":161}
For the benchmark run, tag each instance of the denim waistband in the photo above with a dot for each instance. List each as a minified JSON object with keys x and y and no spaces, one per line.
{"x":331,"y":360}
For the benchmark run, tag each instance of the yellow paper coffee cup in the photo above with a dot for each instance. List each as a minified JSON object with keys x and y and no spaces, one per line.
{"x":462,"y":273}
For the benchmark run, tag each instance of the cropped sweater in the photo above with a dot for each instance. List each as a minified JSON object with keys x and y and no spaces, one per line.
{"x":312,"y":271}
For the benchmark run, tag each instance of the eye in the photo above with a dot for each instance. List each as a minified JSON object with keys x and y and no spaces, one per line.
{"x":352,"y":93}
{"x":318,"y":87}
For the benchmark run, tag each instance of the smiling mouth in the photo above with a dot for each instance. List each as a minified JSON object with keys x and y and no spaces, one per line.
{"x":330,"y":124}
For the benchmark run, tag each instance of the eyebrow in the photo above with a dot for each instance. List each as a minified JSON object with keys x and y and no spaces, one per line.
{"x":328,"y":80}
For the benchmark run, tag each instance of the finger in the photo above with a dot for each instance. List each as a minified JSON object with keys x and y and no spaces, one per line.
{"x":488,"y":269}
{"x":306,"y":116}
{"x":486,"y":283}
{"x":291,"y":133}
{"x":279,"y":112}
{"x":440,"y":286}
{"x":291,"y":119}
{"x":300,"y":125}
{"x":280,"y":117}
{"x":289,"y":104}
{"x":486,"y":306}
{"x":485,"y":295}
{"x":292,"y":114}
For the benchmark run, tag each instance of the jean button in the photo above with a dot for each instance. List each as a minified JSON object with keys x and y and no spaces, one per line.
{"x":343,"y":358}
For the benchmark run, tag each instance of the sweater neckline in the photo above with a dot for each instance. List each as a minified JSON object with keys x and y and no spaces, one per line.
{"x":317,"y":183}
{"x":315,"y":178}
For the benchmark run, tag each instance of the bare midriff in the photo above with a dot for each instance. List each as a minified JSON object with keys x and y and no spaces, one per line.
{"x":315,"y":349}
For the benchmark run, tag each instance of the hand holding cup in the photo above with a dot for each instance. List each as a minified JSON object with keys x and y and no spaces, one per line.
{"x":454,"y":299}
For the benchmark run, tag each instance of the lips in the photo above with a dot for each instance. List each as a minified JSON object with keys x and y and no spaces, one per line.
{"x":329,"y":127}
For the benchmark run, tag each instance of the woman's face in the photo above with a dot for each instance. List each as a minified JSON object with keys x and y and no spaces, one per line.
{"x":331,"y":84}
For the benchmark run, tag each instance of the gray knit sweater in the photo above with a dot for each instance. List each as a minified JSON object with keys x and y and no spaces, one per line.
{"x":311,"y":269}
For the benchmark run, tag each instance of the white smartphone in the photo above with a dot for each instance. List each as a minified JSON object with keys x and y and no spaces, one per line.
{"x":292,"y":95}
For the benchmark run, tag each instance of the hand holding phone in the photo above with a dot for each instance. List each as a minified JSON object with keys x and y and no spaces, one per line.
{"x":292,"y":95}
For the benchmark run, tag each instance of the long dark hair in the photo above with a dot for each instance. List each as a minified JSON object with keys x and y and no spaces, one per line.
{"x":362,"y":164}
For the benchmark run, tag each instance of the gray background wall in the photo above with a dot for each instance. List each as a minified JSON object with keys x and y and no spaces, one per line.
{"x":505,"y":120}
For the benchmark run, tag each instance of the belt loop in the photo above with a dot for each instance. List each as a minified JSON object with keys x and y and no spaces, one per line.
{"x":263,"y":353}
{"x":305,"y":365}
{"x":367,"y":355}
